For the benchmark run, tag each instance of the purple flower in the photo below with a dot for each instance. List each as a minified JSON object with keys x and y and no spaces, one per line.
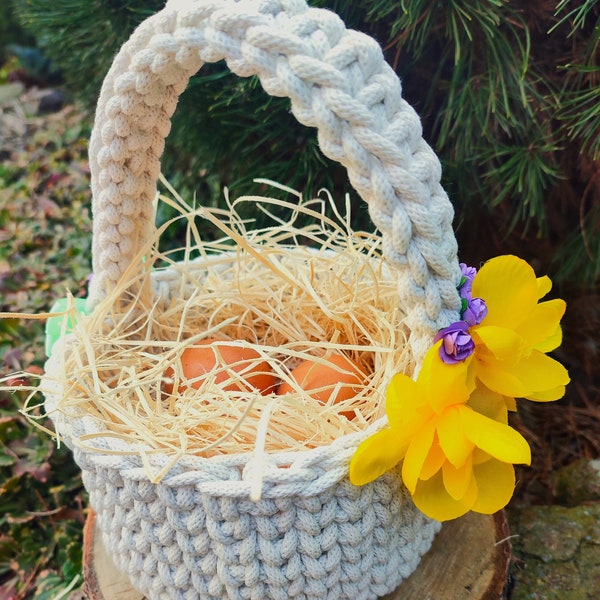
{"x":466,"y":282}
{"x":475,"y":311}
{"x":457,"y":344}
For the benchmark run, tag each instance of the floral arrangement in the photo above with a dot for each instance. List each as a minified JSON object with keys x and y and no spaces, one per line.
{"x":449,"y":427}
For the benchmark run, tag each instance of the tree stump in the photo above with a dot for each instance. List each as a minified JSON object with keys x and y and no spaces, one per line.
{"x":469,"y":560}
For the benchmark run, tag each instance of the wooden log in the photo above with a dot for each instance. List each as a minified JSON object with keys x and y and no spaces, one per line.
{"x":103,"y":581}
{"x":469,"y":560}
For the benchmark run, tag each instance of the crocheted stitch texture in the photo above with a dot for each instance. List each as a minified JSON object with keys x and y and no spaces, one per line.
{"x":313,"y":535}
{"x":197,"y":535}
{"x":337,"y":81}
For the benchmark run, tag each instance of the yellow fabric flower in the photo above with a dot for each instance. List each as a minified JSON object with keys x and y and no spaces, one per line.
{"x":512,"y":340}
{"x":454,"y":442}
{"x":449,"y":428}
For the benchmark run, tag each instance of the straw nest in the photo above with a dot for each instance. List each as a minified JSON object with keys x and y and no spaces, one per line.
{"x":287,"y":292}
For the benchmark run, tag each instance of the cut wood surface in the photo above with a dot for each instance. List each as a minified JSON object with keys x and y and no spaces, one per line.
{"x":469,"y":560}
{"x":103,"y":581}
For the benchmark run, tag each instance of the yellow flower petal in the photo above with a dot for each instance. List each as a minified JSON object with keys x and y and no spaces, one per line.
{"x":548,"y":395}
{"x":403,"y":396}
{"x":544,"y":285}
{"x":434,"y":461}
{"x":432,"y":499}
{"x":510,"y":289}
{"x":455,"y":445}
{"x":500,"y":378}
{"x":537,"y":377}
{"x":457,"y":480}
{"x":543,"y":322}
{"x":489,"y":404}
{"x":511,"y":403}
{"x":497,"y":439}
{"x":502,"y":343}
{"x":495,"y":486}
{"x":540,"y":373}
{"x":550,"y":343}
{"x":415,"y":457}
{"x":376,"y":455}
{"x":442,"y":384}
{"x":479,"y":456}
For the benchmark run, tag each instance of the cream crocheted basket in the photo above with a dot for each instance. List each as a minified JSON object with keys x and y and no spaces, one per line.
{"x":312,"y":534}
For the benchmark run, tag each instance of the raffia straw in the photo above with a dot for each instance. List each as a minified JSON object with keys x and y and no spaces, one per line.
{"x":263,"y":289}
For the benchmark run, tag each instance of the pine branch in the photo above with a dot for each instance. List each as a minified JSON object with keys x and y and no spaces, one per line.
{"x":578,"y":257}
{"x":82,"y":37}
{"x":579,"y":109}
{"x":520,"y":173}
{"x":578,"y":15}
{"x":580,"y":113}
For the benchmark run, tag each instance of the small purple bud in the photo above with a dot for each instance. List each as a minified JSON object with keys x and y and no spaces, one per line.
{"x":468,"y":272}
{"x":457,"y":344}
{"x":475,"y":312}
{"x":466,"y":283}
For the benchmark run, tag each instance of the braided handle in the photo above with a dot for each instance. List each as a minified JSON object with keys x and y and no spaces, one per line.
{"x":338,"y":82}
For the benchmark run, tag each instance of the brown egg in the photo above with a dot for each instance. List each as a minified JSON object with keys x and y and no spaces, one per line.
{"x":215,"y":357}
{"x":319,"y":380}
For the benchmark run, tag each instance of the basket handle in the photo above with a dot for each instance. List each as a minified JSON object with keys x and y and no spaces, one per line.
{"x":337,"y":81}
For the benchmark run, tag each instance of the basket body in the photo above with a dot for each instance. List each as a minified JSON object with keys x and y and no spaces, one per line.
{"x":197,"y":534}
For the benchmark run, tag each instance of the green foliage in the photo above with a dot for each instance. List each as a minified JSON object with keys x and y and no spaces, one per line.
{"x":10,"y":30}
{"x":581,"y":114}
{"x":507,"y":91}
{"x":40,"y":217}
{"x":44,"y":200}
{"x":484,"y":97}
{"x":577,"y":15}
{"x":580,"y":110}
{"x":82,"y":37}
{"x":34,"y":64}
{"x":586,"y":241}
{"x":40,"y":509}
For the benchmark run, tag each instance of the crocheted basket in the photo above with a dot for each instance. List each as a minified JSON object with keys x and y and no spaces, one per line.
{"x":312,"y":534}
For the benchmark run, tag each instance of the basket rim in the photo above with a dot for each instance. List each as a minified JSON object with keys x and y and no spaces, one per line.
{"x":73,"y":423}
{"x":105,"y":451}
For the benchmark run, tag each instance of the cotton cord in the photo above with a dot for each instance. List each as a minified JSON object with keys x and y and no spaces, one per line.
{"x":312,"y":535}
{"x":197,"y":534}
{"x":337,"y":81}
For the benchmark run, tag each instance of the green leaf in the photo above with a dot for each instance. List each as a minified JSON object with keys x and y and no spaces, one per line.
{"x":50,"y":586}
{"x":6,"y":457}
